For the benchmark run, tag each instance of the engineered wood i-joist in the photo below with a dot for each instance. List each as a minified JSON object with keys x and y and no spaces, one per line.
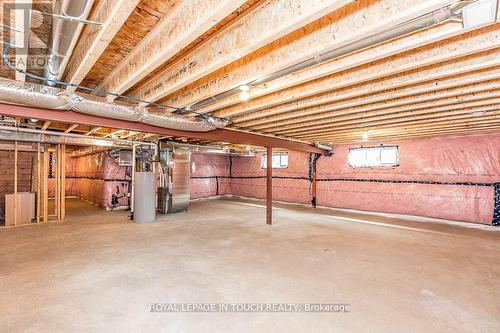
{"x":449,"y":69}
{"x":415,"y":135}
{"x":490,"y":108}
{"x":445,"y":51}
{"x":452,"y":97}
{"x":374,"y":53}
{"x":435,"y":86}
{"x":95,"y":38}
{"x":350,"y":23}
{"x":186,"y":22}
{"x":443,"y":127}
{"x":270,"y":21}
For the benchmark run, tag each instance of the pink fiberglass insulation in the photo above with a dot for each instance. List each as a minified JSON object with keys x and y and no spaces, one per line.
{"x":463,"y":163}
{"x":96,"y":178}
{"x":204,"y":169}
{"x":462,"y":160}
{"x":290,"y":190}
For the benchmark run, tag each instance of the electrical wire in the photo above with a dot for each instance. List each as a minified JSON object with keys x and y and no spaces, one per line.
{"x":101,"y":91}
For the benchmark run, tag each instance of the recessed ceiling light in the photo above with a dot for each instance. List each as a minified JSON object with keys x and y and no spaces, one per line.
{"x":365,"y":136}
{"x":479,"y":13}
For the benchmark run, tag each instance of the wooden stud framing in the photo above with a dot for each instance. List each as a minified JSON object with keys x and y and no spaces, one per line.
{"x":38,"y":183}
{"x":270,"y":21}
{"x":45,"y":190}
{"x":15,"y":183}
{"x":186,"y":22}
{"x":94,"y":39}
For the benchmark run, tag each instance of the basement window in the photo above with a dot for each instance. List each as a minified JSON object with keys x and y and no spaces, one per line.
{"x":280,"y":161}
{"x":372,"y":157}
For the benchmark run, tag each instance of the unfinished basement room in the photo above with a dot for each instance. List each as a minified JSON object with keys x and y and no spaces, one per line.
{"x":250,"y":166}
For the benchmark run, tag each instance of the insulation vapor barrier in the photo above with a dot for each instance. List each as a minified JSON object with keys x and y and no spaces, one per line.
{"x":449,"y":178}
{"x":32,"y":94}
{"x":95,"y":178}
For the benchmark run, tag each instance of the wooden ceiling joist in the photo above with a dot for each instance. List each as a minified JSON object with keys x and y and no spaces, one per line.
{"x":270,"y":21}
{"x":432,"y":100}
{"x":94,"y":39}
{"x":489,"y":107}
{"x":358,"y":140}
{"x":348,"y":98}
{"x":186,"y":22}
{"x":351,"y":23}
{"x":462,"y":124}
{"x":443,"y":52}
{"x":377,"y":52}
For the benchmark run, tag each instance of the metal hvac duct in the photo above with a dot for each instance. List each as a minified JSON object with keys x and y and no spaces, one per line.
{"x":38,"y":95}
{"x":66,"y":29}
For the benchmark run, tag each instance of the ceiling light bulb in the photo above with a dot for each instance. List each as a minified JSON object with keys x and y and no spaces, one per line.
{"x":365,"y":136}
{"x":244,"y":87}
{"x":244,"y":95}
{"x":479,"y":13}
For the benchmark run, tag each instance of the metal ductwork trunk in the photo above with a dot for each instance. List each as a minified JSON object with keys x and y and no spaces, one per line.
{"x":37,"y":95}
{"x":66,"y":28}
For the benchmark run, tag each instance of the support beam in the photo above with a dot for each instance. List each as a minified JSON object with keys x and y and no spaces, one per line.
{"x":359,"y":20}
{"x":220,"y":134}
{"x":94,"y":39}
{"x":269,"y":187}
{"x":270,"y":21}
{"x":397,"y":66}
{"x":71,"y":128}
{"x":183,"y":25}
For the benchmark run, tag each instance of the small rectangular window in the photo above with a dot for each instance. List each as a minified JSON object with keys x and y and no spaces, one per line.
{"x":280,"y":161}
{"x":371,"y":157}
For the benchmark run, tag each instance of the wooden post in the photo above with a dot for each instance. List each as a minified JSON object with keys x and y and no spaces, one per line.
{"x":15,"y":183}
{"x":45,"y":176}
{"x":38,"y":183}
{"x":269,"y":187}
{"x":57,"y":188}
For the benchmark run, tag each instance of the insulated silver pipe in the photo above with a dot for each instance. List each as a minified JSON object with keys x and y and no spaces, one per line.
{"x":422,"y":22}
{"x":38,"y":95}
{"x":70,"y":138}
{"x":65,"y":33}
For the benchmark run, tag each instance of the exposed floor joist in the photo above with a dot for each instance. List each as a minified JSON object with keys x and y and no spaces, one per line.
{"x":270,"y":21}
{"x":350,"y":24}
{"x":187,"y":21}
{"x":95,"y":38}
{"x":447,"y":51}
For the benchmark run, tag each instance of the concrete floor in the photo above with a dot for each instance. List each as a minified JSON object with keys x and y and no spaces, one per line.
{"x":99,"y":273}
